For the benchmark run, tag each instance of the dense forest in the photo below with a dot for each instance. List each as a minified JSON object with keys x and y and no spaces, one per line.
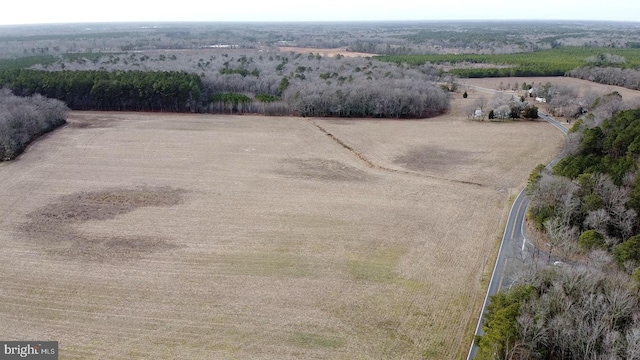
{"x":237,"y":81}
{"x":587,"y":206}
{"x":102,"y":90}
{"x":23,"y":119}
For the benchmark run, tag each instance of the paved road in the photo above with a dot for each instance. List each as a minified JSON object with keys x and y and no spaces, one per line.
{"x":555,"y":123}
{"x":512,"y":247}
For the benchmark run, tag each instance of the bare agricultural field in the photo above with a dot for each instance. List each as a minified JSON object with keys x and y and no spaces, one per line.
{"x":159,"y":236}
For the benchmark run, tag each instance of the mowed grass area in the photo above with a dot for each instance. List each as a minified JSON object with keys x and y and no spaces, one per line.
{"x":156,"y":236}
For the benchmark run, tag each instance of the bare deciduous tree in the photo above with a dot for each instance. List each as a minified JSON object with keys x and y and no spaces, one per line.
{"x":22,"y":119}
{"x":633,"y":344}
{"x":597,"y":220}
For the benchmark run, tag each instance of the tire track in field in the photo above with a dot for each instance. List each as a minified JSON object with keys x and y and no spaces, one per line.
{"x":374,"y":165}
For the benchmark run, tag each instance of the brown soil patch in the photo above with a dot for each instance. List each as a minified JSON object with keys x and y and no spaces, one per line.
{"x":322,"y":169}
{"x":103,"y":205}
{"x":290,"y":245}
{"x":89,"y":122}
{"x":433,"y":158}
{"x":53,"y":227}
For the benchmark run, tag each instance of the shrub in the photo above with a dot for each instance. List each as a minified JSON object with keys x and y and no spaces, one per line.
{"x":500,"y":322}
{"x":530,"y":112}
{"x":534,"y":177}
{"x":267,"y":98}
{"x":591,"y":240}
{"x":627,"y":251}
{"x":541,"y":215}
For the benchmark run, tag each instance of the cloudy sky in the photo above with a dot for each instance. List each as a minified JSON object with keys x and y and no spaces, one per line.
{"x":64,"y":11}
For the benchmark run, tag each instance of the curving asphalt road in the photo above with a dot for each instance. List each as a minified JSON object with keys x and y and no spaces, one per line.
{"x":555,"y":123}
{"x":514,"y":242}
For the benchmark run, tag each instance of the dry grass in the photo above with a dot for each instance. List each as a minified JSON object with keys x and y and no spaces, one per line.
{"x":232,"y":237}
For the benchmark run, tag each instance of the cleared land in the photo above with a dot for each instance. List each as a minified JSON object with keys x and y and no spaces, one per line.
{"x":128,"y":235}
{"x":583,"y":86}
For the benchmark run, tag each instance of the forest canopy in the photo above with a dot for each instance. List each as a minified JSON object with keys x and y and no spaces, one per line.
{"x":22,"y":119}
{"x":236,"y":82}
{"x":587,"y":305}
{"x":102,"y":90}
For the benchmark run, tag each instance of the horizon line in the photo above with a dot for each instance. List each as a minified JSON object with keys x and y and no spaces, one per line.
{"x":317,"y":21}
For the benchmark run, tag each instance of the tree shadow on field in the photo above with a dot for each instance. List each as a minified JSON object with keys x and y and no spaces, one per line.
{"x":54,"y":226}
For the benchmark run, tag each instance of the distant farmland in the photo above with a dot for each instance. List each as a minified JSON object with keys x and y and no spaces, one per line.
{"x":132,"y":235}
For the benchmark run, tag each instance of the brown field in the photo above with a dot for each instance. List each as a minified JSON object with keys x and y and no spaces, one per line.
{"x":158,"y":236}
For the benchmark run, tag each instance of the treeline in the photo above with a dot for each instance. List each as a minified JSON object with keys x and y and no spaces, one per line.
{"x":397,"y":99}
{"x":25,"y":62}
{"x":610,"y":149}
{"x":628,"y":78}
{"x":592,"y":199}
{"x":588,"y":306}
{"x":103,"y":90}
{"x":22,"y":119}
{"x":564,"y":313}
{"x":243,"y":82}
{"x":551,"y":62}
{"x":518,"y":71}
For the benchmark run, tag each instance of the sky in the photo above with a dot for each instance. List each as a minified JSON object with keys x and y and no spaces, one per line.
{"x":80,"y":11}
